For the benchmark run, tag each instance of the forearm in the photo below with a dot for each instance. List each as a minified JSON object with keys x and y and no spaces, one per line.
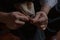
{"x":3,"y":14}
{"x":45,"y":9}
{"x":46,"y":5}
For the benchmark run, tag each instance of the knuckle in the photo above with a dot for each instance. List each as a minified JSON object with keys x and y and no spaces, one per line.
{"x":46,"y":18}
{"x":13,"y":13}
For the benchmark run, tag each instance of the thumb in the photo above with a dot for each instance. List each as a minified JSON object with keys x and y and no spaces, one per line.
{"x":36,"y":18}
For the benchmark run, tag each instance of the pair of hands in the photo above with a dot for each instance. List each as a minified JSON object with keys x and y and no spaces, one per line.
{"x":17,"y":19}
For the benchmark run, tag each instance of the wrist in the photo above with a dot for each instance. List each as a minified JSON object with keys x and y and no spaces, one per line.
{"x":46,"y":9}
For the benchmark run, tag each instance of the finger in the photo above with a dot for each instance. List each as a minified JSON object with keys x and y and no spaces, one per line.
{"x":15,"y":25}
{"x":17,"y":13}
{"x":42,"y":14}
{"x":44,"y":23}
{"x":21,"y":14}
{"x":19,"y":22}
{"x":43,"y":19}
{"x":43,"y":27}
{"x":24,"y":18}
{"x":36,"y":18}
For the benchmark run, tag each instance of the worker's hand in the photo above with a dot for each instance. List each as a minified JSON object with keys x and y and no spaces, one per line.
{"x":15,"y":20}
{"x":40,"y":20}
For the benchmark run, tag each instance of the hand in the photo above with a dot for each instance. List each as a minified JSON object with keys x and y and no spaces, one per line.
{"x":41,"y":20}
{"x":15,"y":20}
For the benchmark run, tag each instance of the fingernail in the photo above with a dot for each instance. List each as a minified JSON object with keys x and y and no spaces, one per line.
{"x":44,"y":28}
